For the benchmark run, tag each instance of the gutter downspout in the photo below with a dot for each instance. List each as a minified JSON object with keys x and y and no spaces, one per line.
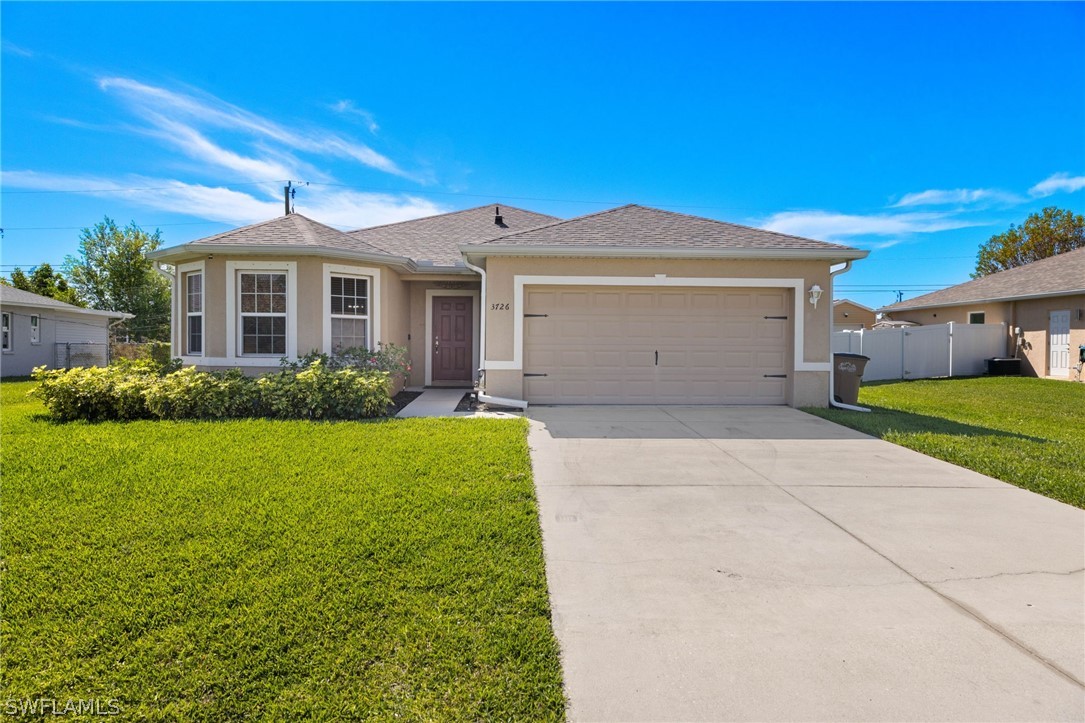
{"x":481,"y":395}
{"x":833,"y":402}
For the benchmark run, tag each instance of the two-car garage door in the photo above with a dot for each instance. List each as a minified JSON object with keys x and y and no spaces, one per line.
{"x":619,"y":345}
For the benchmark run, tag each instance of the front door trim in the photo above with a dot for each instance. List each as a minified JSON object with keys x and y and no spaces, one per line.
{"x":476,"y":316}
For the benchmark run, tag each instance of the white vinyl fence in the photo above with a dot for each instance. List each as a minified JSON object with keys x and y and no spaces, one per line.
{"x":922,"y":352}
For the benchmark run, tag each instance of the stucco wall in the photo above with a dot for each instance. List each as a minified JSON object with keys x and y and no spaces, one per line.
{"x":808,"y":388}
{"x":995,"y":313}
{"x":1033,"y":316}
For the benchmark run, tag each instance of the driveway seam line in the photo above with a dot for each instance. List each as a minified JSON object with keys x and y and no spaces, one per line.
{"x":969,"y":612}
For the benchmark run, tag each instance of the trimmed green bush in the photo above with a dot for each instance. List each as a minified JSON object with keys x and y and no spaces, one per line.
{"x":136,"y":390}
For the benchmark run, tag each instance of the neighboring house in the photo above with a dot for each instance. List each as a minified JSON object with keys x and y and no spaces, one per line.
{"x":850,"y":315}
{"x":1044,"y":300}
{"x":40,"y":331}
{"x":631,"y":305}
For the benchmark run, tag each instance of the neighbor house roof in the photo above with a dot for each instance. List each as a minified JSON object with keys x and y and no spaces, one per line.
{"x":438,"y":238}
{"x":293,"y":232}
{"x":1053,"y":276}
{"x":636,"y":228}
{"x":837,"y":302}
{"x":10,"y":296}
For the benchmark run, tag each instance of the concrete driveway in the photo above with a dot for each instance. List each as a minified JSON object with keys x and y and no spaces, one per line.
{"x":764,"y":564}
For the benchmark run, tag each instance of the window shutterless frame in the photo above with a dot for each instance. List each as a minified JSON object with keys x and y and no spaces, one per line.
{"x":235,"y":354}
{"x":35,"y":329}
{"x":977,"y":317}
{"x":372,"y":324}
{"x":194,"y":313}
{"x":349,"y":301}
{"x":7,"y":330}
{"x":262,"y":312}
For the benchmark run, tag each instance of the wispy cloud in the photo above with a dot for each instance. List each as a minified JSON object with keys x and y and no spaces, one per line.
{"x":9,"y":47}
{"x":183,"y":119}
{"x":958,"y":196}
{"x":1057,"y":183}
{"x":347,"y":107}
{"x":830,"y":226}
{"x":336,"y":207}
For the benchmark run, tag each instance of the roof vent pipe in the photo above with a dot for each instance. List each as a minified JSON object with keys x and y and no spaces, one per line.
{"x":497,"y":216}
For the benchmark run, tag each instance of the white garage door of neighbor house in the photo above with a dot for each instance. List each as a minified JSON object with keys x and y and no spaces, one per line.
{"x":619,"y":345}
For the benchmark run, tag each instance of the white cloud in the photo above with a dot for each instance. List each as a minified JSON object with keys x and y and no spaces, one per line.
{"x":1057,"y":183}
{"x":335,"y":207}
{"x":959,"y":196}
{"x":175,"y":116}
{"x":828,"y":226}
{"x":10,"y":47}
{"x":347,"y":107}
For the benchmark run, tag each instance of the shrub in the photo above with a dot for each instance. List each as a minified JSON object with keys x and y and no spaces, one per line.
{"x":135,"y":390}
{"x":390,"y":358}
{"x":95,"y":393}
{"x":319,"y":392}
{"x":191,"y":394}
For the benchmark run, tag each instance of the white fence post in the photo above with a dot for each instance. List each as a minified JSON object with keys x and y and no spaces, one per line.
{"x":950,"y":348}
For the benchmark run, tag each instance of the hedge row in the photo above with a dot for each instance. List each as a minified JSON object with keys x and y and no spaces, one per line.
{"x":141,"y":390}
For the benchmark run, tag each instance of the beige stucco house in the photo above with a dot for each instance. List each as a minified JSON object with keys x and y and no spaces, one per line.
{"x":1042,"y":305}
{"x":850,"y":315}
{"x":40,"y":331}
{"x":631,"y":305}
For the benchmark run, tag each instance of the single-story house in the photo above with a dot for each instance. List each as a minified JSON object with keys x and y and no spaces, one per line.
{"x":40,"y":331}
{"x":1041,"y":303}
{"x":850,"y":315}
{"x":631,"y":305}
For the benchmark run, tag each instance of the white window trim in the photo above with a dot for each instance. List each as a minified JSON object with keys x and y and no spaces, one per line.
{"x":374,"y":275}
{"x":660,"y":281}
{"x":182,"y":271}
{"x":11,"y":333}
{"x":290,"y":268}
{"x":35,"y":329}
{"x":475,"y":294}
{"x":969,"y":316}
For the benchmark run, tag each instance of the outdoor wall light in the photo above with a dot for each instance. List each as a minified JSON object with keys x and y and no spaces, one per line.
{"x":815,"y":294}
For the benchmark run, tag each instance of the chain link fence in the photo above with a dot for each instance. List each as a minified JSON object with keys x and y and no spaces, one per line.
{"x":81,"y":354}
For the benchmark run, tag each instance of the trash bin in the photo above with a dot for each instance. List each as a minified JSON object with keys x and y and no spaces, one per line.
{"x":847,"y":373}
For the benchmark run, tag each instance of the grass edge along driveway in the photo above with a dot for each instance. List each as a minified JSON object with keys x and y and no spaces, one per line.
{"x":1022,"y":430}
{"x":282,"y":570}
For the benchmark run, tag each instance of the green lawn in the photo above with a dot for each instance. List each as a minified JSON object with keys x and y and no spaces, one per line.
{"x":1028,"y":432}
{"x":274,"y":570}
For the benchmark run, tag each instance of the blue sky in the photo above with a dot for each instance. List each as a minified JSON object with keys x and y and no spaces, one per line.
{"x":913,"y":130}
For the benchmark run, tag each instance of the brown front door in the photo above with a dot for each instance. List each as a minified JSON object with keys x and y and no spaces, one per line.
{"x":452,"y":342}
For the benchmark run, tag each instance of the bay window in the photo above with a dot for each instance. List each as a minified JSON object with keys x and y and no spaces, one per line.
{"x":263,"y":312}
{"x":194,"y":313}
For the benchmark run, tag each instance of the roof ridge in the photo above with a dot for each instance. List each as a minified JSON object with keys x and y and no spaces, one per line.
{"x":12,"y":287}
{"x":559,"y":222}
{"x":441,"y":215}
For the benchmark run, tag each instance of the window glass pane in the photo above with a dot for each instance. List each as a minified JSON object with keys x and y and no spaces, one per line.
{"x":349,"y":333}
{"x":278,"y":283}
{"x":278,"y":303}
{"x":195,"y":335}
{"x":248,"y":283}
{"x":263,"y":283}
{"x":337,"y":304}
{"x":263,"y":303}
{"x":354,"y":298}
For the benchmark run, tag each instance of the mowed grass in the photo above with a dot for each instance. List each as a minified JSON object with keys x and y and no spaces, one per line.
{"x":274,"y":570}
{"x":1025,"y":431}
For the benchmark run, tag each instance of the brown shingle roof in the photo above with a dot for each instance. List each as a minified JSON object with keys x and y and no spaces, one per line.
{"x":635,"y":226}
{"x":292,"y":230}
{"x":438,"y":238}
{"x":1061,"y":274}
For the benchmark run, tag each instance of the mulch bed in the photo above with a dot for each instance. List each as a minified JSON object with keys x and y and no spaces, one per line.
{"x":401,"y":400}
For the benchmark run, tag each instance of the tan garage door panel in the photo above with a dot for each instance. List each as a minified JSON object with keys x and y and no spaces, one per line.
{"x":637,"y":346}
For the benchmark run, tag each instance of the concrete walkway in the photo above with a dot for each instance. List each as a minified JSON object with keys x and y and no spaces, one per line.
{"x":434,"y":403}
{"x":764,"y":564}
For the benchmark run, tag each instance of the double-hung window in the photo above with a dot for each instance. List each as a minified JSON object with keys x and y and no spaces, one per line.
{"x":349,"y":312}
{"x":194,"y":313}
{"x":7,"y":330}
{"x":263,"y":312}
{"x":35,"y":329}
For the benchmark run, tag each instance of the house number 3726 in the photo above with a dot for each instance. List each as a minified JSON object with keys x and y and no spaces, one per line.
{"x":499,"y":307}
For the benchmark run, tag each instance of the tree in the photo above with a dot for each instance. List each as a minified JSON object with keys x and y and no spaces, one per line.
{"x":46,"y":282}
{"x":113,"y":272}
{"x":1050,"y":232}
